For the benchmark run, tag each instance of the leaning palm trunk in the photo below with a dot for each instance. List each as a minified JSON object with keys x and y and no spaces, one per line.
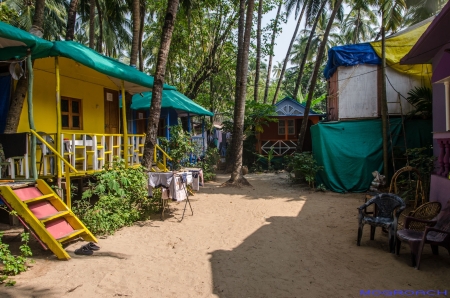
{"x":136,"y":29}
{"x":155,"y":107}
{"x":301,"y":136}
{"x":286,"y":60}
{"x":258,"y":52}
{"x":15,"y":109}
{"x":308,"y":46}
{"x":239,"y":108}
{"x":272,"y":43}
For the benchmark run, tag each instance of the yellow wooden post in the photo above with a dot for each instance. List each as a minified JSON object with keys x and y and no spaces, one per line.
{"x":124,"y":125}
{"x":58,"y":120}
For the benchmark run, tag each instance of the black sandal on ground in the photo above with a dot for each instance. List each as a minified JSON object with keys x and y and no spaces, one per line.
{"x":83,"y":251}
{"x":92,"y":246}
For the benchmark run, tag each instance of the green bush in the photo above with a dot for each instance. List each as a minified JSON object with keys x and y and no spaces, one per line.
{"x":13,"y":265}
{"x":209,"y":162}
{"x":179,"y":146}
{"x":122,"y":200}
{"x":303,"y":167}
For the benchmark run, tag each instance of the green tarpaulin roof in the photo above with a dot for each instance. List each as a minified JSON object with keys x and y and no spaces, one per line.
{"x":170,"y":99}
{"x":115,"y":70}
{"x":15,"y":42}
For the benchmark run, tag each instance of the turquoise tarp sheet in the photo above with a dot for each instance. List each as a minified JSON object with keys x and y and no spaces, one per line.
{"x":170,"y":99}
{"x":350,"y":151}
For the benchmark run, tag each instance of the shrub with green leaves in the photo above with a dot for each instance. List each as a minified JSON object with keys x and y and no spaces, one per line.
{"x":179,"y":146}
{"x":209,"y":162}
{"x":122,"y":199}
{"x":13,"y":265}
{"x":303,"y":167}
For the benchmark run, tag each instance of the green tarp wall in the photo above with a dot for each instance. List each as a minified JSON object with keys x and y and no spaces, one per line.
{"x":350,"y":151}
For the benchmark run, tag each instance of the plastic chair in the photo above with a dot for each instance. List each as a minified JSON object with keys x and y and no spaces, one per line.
{"x":388,"y":209}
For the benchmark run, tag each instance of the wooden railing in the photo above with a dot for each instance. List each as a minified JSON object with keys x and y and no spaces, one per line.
{"x":444,"y":157}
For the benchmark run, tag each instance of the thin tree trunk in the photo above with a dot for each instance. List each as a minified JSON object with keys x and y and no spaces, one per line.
{"x":136,"y":27}
{"x":320,"y":54}
{"x":155,"y":107}
{"x":241,"y":28}
{"x":239,"y":108}
{"x":15,"y":108}
{"x":272,"y":43}
{"x":258,"y":51}
{"x":357,"y":26}
{"x":306,"y":51}
{"x":100,"y":24}
{"x":91,"y":24}
{"x":384,"y":106}
{"x":286,"y":60}
{"x":141,"y":36}
{"x":71,"y":19}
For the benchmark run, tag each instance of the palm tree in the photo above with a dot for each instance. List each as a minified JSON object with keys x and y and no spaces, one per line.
{"x":277,"y":69}
{"x":290,"y":4}
{"x":302,"y":133}
{"x":71,"y":19}
{"x":319,"y":16}
{"x":239,"y":107}
{"x":136,"y":30}
{"x":13,"y":118}
{"x":360,"y":22}
{"x":272,"y":43}
{"x":419,"y":10}
{"x":155,"y":107}
{"x":258,"y":50}
{"x":91,"y":23}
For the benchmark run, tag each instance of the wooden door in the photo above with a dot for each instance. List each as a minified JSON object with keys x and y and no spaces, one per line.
{"x":111,"y":98}
{"x":140,"y":122}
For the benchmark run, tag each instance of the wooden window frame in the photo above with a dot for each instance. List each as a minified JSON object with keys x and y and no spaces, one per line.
{"x":70,"y":114}
{"x":286,"y":121}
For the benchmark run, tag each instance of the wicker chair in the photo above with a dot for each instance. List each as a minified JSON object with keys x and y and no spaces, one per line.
{"x":437,"y":233}
{"x":389,"y":208}
{"x":427,"y":211}
{"x":420,"y":192}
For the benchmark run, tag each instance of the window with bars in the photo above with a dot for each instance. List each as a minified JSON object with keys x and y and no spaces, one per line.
{"x":71,"y":113}
{"x":282,"y":127}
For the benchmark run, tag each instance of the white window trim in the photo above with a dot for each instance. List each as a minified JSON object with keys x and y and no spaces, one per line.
{"x":286,"y":127}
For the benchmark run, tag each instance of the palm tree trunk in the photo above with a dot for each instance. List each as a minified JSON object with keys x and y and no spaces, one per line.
{"x":136,"y":27}
{"x":71,"y":19}
{"x":15,"y":108}
{"x":91,"y":23}
{"x":272,"y":43}
{"x":155,"y":107}
{"x":320,"y":54}
{"x":141,"y":36}
{"x":239,"y":107}
{"x":241,"y":28}
{"x":286,"y":60}
{"x":384,"y":106}
{"x":305,"y":53}
{"x":100,"y":24}
{"x":258,"y":51}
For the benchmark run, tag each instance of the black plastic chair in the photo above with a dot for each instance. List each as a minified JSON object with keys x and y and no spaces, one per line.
{"x":388,"y":209}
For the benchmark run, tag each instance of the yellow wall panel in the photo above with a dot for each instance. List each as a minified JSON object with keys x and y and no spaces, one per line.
{"x":77,"y":81}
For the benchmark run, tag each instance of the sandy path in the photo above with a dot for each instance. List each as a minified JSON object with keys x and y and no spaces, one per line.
{"x":271,"y":240}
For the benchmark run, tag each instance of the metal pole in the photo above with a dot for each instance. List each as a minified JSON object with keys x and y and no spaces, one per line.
{"x":59,"y":148}
{"x":30,"y":116}
{"x":124,"y":125}
{"x":168,"y":125}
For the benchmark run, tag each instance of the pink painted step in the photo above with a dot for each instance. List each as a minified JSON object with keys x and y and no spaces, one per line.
{"x":27,"y":193}
{"x":59,"y":228}
{"x":42,"y":209}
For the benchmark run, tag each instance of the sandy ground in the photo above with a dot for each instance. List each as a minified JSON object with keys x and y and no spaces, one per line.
{"x":269,"y":240}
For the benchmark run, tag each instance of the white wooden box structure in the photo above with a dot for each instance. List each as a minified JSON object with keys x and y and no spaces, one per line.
{"x":355,"y":92}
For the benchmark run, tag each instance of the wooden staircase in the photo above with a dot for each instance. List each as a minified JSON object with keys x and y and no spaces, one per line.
{"x":47,"y":215}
